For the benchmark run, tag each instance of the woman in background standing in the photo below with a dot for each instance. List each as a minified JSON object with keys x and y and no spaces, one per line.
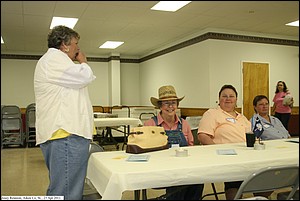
{"x":281,"y":109}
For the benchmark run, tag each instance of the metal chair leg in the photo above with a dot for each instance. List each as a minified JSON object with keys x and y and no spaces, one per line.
{"x":144,"y":194}
{"x":137,"y":194}
{"x":215,"y":191}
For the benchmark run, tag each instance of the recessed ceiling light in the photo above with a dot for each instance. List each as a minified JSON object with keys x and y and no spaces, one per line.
{"x":66,"y":21}
{"x":296,"y":23}
{"x":111,"y":44}
{"x":169,"y":5}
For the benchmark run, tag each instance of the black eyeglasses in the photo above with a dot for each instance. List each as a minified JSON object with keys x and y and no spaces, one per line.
{"x":169,"y":103}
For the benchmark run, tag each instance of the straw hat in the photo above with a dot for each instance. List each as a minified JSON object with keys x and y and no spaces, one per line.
{"x":165,"y":93}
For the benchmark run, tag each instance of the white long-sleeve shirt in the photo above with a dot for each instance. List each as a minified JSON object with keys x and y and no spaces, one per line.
{"x":61,"y":96}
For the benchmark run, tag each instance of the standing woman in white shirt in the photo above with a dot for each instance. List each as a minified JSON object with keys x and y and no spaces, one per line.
{"x":64,"y":113}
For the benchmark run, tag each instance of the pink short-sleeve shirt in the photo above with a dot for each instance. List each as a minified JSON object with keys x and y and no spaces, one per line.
{"x":223,"y":127}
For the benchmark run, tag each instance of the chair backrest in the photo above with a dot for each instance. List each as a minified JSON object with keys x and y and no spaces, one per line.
{"x":31,"y":106}
{"x":10,"y":111}
{"x":193,"y":121}
{"x":30,"y":115}
{"x":30,"y":118}
{"x":270,"y":179}
{"x":11,"y":118}
{"x":144,"y":116}
{"x":94,"y":147}
{"x":11,"y":124}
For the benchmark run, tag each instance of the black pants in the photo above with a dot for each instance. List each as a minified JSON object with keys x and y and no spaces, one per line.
{"x":232,"y":184}
{"x":284,"y":118}
{"x":186,"y":192}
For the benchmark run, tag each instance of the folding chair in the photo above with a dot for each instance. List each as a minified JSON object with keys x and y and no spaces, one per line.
{"x":11,"y":126}
{"x":283,"y":195}
{"x":215,"y":193}
{"x":270,"y":179}
{"x":94,"y":147}
{"x":30,"y":125}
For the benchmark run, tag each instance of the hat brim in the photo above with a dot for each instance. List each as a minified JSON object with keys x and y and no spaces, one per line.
{"x":155,"y":101}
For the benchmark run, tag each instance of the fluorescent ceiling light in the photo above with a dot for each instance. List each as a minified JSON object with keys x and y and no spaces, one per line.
{"x":296,"y":23}
{"x":111,"y":44}
{"x":2,"y":42}
{"x":66,"y":21}
{"x":170,"y":5}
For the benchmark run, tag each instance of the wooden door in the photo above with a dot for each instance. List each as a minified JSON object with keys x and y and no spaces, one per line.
{"x":255,"y":82}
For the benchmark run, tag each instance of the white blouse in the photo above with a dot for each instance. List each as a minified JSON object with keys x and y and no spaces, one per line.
{"x":61,"y":96}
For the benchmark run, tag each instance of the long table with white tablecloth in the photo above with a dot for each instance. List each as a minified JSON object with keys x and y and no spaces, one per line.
{"x":111,"y":174}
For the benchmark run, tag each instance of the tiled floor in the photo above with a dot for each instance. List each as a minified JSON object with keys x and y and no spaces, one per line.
{"x":23,"y":173}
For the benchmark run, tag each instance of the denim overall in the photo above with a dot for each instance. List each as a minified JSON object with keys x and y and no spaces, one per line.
{"x":182,"y":192}
{"x":174,"y":136}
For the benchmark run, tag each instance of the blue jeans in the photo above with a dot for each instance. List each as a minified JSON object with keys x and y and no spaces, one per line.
{"x":66,"y":160}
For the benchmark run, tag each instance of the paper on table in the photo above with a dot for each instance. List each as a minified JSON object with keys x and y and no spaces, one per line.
{"x":226,"y":152}
{"x":138,"y":158}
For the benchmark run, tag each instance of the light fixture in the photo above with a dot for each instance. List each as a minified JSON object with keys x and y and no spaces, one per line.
{"x":295,"y":23}
{"x":111,"y":44}
{"x":169,"y":5}
{"x":66,"y":21}
{"x":2,"y":42}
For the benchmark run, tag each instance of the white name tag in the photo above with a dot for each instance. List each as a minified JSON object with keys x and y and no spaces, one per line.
{"x":231,"y":120}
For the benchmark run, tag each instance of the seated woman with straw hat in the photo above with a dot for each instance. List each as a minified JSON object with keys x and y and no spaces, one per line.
{"x":167,"y":118}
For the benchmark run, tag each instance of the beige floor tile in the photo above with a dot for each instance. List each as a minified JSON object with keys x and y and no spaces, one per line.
{"x":23,"y":172}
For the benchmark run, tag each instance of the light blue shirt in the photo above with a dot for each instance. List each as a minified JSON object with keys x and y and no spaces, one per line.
{"x":273,"y":130}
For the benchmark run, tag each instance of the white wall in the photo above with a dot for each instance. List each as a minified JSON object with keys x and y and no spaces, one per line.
{"x":98,"y":89}
{"x":186,"y":69}
{"x":130,"y":84}
{"x":197,"y":72}
{"x":200,"y":70}
{"x":17,"y":82}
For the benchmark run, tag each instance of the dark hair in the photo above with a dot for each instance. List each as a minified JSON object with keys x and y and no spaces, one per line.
{"x":61,"y":34}
{"x":228,"y":86}
{"x":159,"y":104}
{"x":285,"y":89}
{"x":258,"y":98}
